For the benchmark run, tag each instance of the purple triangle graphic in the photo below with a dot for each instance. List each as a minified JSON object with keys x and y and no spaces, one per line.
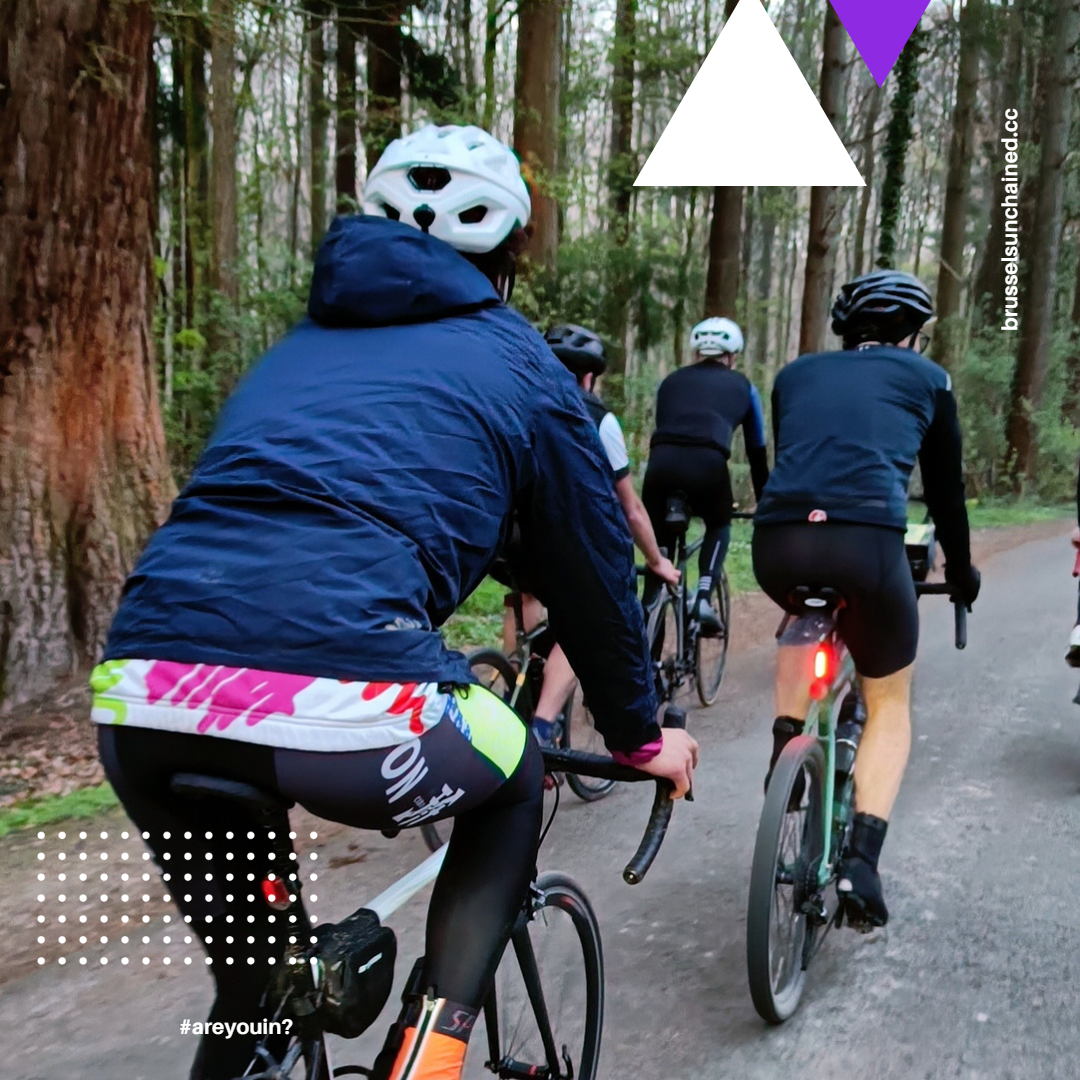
{"x":880,"y":29}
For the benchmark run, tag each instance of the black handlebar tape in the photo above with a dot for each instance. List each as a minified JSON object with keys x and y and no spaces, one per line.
{"x":961,"y":624}
{"x":663,"y":804}
{"x":943,"y":588}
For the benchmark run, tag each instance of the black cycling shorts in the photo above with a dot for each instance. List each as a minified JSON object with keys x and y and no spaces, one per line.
{"x":699,"y":472}
{"x":867,"y":565}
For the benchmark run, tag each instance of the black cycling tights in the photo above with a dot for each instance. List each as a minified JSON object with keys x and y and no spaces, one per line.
{"x":489,"y":863}
{"x":701,"y":475}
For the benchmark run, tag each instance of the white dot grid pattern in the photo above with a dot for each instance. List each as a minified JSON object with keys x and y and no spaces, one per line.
{"x":116,"y":885}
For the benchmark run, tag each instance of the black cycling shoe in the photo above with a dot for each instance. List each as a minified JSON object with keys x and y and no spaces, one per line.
{"x":786,"y":728}
{"x":860,"y":892}
{"x":707,"y":619}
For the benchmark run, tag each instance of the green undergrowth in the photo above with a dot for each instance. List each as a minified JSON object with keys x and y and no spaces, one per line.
{"x":84,"y":803}
{"x":996,"y":513}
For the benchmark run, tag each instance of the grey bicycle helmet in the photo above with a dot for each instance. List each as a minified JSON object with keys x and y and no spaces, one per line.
{"x":886,"y":305}
{"x":579,"y":349}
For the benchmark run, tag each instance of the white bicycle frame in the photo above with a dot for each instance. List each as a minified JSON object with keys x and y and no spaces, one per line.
{"x":406,"y":887}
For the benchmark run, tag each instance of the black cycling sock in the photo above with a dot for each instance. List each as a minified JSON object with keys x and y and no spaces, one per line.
{"x":867,"y":836}
{"x":784,"y":729}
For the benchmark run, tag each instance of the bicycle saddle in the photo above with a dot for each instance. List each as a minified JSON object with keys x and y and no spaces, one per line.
{"x":814,"y":600}
{"x":257,"y":802}
{"x":678,"y":512}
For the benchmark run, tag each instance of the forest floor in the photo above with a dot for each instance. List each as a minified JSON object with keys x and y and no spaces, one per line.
{"x":49,"y":768}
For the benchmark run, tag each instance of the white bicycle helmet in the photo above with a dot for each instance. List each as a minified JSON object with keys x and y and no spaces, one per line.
{"x":714,"y":337}
{"x":457,"y":183}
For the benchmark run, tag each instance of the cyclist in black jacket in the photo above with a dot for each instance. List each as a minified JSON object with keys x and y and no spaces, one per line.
{"x":698,"y":409}
{"x":848,"y":427}
{"x":1072,"y":657}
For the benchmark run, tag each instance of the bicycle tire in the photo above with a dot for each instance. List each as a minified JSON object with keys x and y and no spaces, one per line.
{"x":577,"y":718}
{"x":495,"y":673}
{"x":710,"y":653}
{"x":773,"y":999}
{"x":659,"y":630}
{"x":568,"y":1044}
{"x":312,"y":1051}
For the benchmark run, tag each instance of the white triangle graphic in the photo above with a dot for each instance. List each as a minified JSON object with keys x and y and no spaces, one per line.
{"x":749,"y":119}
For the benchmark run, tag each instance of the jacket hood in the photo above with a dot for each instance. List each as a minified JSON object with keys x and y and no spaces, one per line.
{"x":371,"y":271}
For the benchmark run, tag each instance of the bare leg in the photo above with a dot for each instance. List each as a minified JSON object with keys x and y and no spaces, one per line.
{"x":559,"y":681}
{"x":532,"y":611}
{"x":886,"y":743}
{"x":793,"y":670}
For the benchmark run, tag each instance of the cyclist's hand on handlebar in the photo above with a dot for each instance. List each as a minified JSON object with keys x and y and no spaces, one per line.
{"x":676,"y":760}
{"x":1076,"y":537}
{"x":966,"y":583}
{"x":665,"y":570}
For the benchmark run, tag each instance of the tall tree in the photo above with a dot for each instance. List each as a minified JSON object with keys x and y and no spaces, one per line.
{"x":951,"y":333}
{"x":869,"y":157}
{"x":824,"y":218}
{"x":318,"y":116}
{"x":197,"y":168}
{"x":384,"y":64}
{"x":897,"y":139}
{"x":537,"y":86}
{"x":1056,"y":80}
{"x":622,"y":170}
{"x":725,"y":241}
{"x":83,"y":474}
{"x":223,"y":157}
{"x":346,"y":117}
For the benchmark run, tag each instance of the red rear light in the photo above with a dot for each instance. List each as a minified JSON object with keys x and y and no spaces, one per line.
{"x":824,"y":669}
{"x":275,"y":892}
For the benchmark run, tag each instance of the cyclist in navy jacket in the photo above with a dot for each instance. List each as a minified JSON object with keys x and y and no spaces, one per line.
{"x":282,"y":627}
{"x":849,"y":426}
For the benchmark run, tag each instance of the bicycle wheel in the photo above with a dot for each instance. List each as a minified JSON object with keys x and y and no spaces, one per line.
{"x":305,"y":1059}
{"x":660,"y":630}
{"x":495,"y":673}
{"x":580,"y":733}
{"x":546,"y":1012}
{"x":710,"y":653}
{"x":787,"y":855}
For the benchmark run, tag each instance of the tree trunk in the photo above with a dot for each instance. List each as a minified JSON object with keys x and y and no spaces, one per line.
{"x":318,"y":118}
{"x":622,"y":171}
{"x":197,"y":246}
{"x":869,"y":157}
{"x":537,"y":86}
{"x":467,"y":62}
{"x":384,"y":62}
{"x":725,"y":240}
{"x":824,"y":218}
{"x":345,"y":119}
{"x":989,"y":300}
{"x":760,"y":306}
{"x":491,"y":41}
{"x":1062,"y":26}
{"x":223,"y":155}
{"x":951,"y":335}
{"x":83,"y":473}
{"x":896,"y":146}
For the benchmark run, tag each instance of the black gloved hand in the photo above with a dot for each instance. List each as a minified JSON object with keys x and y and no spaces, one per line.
{"x":966,"y":583}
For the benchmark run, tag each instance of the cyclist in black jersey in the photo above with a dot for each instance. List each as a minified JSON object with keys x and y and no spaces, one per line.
{"x":698,"y":409}
{"x":848,"y":427}
{"x":582,"y":353}
{"x":1072,"y":656}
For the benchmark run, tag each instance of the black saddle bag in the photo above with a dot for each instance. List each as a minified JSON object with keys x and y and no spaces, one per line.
{"x":341,"y":982}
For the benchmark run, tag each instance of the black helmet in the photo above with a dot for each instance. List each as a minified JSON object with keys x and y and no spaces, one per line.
{"x":579,"y":349}
{"x":886,"y":305}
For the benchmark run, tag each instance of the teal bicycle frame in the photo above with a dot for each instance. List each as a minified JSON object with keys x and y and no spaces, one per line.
{"x":827,"y":693}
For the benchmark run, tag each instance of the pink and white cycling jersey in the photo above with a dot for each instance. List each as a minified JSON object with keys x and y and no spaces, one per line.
{"x":295,"y":712}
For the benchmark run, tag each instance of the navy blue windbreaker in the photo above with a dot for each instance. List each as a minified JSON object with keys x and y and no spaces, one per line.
{"x":849,"y":427}
{"x":361,"y":480}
